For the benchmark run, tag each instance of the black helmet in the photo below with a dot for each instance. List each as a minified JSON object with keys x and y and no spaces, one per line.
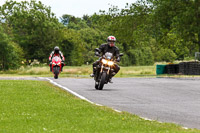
{"x":56,"y":49}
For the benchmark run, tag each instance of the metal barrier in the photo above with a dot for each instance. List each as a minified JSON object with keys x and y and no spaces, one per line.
{"x":184,"y":68}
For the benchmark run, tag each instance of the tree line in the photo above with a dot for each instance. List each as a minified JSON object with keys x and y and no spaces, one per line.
{"x":147,"y":31}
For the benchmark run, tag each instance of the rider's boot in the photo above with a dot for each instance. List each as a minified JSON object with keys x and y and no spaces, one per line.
{"x":62,"y":65}
{"x":92,"y":75}
{"x":50,"y":67}
{"x":110,"y":80}
{"x":94,"y":71}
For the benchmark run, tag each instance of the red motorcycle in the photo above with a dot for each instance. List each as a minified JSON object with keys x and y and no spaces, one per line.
{"x":56,"y":66}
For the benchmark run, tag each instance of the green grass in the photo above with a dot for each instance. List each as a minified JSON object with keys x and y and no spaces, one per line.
{"x":37,"y":106}
{"x":80,"y":71}
{"x":137,"y":71}
{"x":85,"y":71}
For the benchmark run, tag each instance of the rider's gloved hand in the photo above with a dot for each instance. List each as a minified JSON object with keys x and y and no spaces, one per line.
{"x":118,"y":59}
{"x":97,"y":53}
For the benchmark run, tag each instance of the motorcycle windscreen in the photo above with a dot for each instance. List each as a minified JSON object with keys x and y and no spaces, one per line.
{"x":108,"y":55}
{"x":56,"y":59}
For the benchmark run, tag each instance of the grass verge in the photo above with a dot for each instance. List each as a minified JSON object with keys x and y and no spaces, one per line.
{"x":37,"y":106}
{"x":80,"y":71}
{"x":85,"y":71}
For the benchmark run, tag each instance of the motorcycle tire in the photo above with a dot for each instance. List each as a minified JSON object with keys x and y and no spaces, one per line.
{"x":102,"y":81}
{"x":56,"y":76}
{"x":56,"y":72}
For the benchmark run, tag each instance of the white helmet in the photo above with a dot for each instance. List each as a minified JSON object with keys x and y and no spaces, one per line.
{"x":111,"y":41}
{"x":56,"y":49}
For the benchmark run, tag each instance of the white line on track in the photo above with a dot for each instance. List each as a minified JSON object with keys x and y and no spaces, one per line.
{"x":72,"y":92}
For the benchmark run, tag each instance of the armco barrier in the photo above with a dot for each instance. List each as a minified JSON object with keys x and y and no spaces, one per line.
{"x":172,"y":69}
{"x":189,"y":68}
{"x":185,"y":68}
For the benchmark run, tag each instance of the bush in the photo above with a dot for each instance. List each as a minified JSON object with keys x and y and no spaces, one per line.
{"x":125,"y":60}
{"x":11,"y":53}
{"x":140,"y":56}
{"x":165,"y":55}
{"x":15,"y":56}
{"x":72,"y":47}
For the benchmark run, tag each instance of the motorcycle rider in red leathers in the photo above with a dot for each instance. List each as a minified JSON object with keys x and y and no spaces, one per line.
{"x":56,"y":52}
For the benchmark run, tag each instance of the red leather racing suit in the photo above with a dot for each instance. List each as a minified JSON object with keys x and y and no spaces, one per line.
{"x":55,"y":54}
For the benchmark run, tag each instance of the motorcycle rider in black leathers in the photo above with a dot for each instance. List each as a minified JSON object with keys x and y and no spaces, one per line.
{"x":108,"y":47}
{"x":56,"y":52}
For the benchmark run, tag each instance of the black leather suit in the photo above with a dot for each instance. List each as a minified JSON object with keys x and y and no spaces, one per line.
{"x":106,"y":48}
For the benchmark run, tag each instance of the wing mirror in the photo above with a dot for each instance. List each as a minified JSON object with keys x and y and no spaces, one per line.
{"x":121,"y":54}
{"x":97,"y":50}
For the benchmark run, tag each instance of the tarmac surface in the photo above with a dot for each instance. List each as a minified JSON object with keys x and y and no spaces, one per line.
{"x":164,"y":99}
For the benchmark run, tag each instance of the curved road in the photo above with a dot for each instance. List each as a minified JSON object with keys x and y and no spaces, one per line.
{"x":163,"y":99}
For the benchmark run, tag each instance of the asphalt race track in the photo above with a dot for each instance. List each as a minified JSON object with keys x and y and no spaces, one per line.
{"x":163,"y":99}
{"x":171,"y":100}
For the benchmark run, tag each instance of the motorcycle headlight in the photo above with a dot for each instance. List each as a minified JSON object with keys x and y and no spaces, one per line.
{"x":54,"y":63}
{"x":104,"y":61}
{"x":110,"y":63}
{"x":58,"y":63}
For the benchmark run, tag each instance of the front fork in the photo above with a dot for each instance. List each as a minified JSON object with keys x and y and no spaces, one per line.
{"x":102,"y":69}
{"x":108,"y":72}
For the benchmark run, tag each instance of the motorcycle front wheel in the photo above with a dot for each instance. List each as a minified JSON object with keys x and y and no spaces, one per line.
{"x":56,"y":72}
{"x":56,"y":76}
{"x":102,"y":81}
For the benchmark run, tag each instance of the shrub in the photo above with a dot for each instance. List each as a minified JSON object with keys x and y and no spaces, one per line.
{"x":165,"y":55}
{"x":11,"y":53}
{"x":140,"y":56}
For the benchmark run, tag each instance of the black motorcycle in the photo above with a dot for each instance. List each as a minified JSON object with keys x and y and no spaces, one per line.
{"x":104,"y":70}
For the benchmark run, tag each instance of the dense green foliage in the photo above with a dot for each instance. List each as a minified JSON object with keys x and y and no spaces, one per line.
{"x":34,"y":27}
{"x":146,"y":31}
{"x":11,"y":53}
